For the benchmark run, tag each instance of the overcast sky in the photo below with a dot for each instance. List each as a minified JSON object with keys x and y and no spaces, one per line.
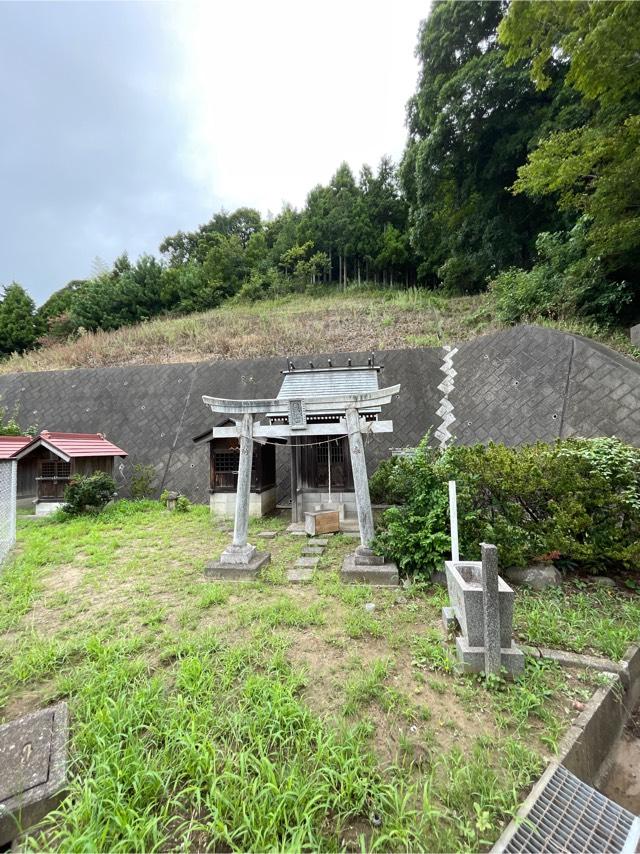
{"x":123,"y":122}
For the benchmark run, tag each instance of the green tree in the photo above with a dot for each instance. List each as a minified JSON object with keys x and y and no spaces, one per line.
{"x":591,"y":169}
{"x":471,"y":124}
{"x":19,"y":327}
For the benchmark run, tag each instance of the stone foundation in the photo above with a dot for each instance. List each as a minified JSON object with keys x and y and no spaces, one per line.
{"x":260,"y":503}
{"x":471,"y":658}
{"x":220,"y":570}
{"x":380,"y":575}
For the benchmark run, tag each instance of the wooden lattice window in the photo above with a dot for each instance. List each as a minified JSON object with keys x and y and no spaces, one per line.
{"x":337,"y":452}
{"x":226,"y":461}
{"x":56,"y":470}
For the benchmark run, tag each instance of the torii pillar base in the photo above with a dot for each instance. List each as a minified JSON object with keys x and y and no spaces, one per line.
{"x":237,"y":563}
{"x":374,"y":571}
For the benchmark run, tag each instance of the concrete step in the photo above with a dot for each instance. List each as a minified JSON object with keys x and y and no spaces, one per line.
{"x":307,"y":561}
{"x":300,"y":575}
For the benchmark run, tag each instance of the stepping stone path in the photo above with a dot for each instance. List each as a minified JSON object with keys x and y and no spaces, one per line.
{"x":305,"y":565}
{"x":268,"y":535}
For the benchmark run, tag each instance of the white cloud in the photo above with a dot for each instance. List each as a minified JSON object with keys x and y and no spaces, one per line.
{"x":280,"y":92}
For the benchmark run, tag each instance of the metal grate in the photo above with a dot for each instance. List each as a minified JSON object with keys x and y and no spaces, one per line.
{"x":8,"y":478}
{"x":569,"y":816}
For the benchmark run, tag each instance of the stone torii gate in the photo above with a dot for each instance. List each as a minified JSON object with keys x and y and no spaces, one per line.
{"x":241,"y":560}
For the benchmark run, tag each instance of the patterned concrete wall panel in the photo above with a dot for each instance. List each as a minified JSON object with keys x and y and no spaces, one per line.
{"x":137,"y":407}
{"x":510,"y":387}
{"x":603,"y":396}
{"x":516,"y":386}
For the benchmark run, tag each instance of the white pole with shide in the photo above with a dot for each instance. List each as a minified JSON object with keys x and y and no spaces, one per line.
{"x":453,"y":516}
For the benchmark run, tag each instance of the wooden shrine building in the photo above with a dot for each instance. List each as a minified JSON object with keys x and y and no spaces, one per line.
{"x":47,"y":463}
{"x":224,"y":461}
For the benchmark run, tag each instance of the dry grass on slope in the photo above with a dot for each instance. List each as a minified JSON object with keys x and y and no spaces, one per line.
{"x":296,"y":325}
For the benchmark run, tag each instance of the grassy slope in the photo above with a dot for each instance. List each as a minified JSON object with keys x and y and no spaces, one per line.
{"x":296,"y":325}
{"x":268,"y":716}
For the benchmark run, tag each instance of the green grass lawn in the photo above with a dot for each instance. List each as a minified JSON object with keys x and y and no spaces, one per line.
{"x":270,"y":716}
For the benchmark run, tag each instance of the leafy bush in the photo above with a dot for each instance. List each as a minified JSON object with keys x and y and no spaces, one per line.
{"x":416,"y":534}
{"x":142,"y":481}
{"x":578,"y":498}
{"x":565,"y":282}
{"x":182,"y":504}
{"x":88,"y":494}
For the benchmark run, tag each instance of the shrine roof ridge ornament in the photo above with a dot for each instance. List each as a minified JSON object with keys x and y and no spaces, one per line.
{"x":349,"y":367}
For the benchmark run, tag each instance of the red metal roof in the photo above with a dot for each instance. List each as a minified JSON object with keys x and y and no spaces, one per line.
{"x":75,"y":445}
{"x":10,"y":444}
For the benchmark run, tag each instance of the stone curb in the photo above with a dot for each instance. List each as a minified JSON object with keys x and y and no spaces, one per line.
{"x":574,"y":659}
{"x":586,"y":747}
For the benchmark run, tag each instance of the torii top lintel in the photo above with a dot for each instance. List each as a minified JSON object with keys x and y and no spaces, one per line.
{"x":329,"y":403}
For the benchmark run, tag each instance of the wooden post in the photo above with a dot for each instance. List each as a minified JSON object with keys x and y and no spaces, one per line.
{"x":360,"y":479}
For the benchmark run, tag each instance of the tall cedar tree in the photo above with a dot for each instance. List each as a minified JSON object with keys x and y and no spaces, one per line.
{"x":471,"y":124}
{"x":18,"y":324}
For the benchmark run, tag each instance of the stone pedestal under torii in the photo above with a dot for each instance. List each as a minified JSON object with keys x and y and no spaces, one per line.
{"x":329,"y":413}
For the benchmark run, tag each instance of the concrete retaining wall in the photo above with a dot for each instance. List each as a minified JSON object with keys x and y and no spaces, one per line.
{"x":516,"y":386}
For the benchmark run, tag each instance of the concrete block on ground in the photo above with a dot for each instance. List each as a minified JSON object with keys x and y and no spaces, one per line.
{"x":33,"y":759}
{"x":317,"y":541}
{"x":268,"y":535}
{"x":309,"y":551}
{"x":449,"y":622}
{"x":311,"y":562}
{"x":219,"y":570}
{"x":385,"y":575}
{"x":300,"y":575}
{"x":471,"y":658}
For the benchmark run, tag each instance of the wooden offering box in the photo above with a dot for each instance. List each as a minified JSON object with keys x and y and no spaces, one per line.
{"x":322,"y":522}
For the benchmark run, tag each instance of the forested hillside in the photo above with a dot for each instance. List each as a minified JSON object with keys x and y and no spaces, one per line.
{"x":520,"y":176}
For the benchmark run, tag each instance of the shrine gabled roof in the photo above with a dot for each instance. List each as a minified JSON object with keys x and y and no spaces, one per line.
{"x":328,"y":381}
{"x":9,"y":445}
{"x":72,"y":445}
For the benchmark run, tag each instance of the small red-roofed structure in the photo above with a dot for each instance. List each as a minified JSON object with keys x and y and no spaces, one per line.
{"x":10,"y":445}
{"x":47,"y":463}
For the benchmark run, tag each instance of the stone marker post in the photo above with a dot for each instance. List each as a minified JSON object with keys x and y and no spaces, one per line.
{"x":491,"y":608}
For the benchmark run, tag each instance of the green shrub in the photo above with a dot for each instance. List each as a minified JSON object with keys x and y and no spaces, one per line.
{"x":415,"y":534}
{"x":182,"y":504}
{"x":577,"y":500}
{"x":88,"y":494}
{"x":564,"y":283}
{"x":142,"y":481}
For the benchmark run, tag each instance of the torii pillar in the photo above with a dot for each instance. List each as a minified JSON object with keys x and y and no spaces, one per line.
{"x":241,"y":561}
{"x":364,"y":565}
